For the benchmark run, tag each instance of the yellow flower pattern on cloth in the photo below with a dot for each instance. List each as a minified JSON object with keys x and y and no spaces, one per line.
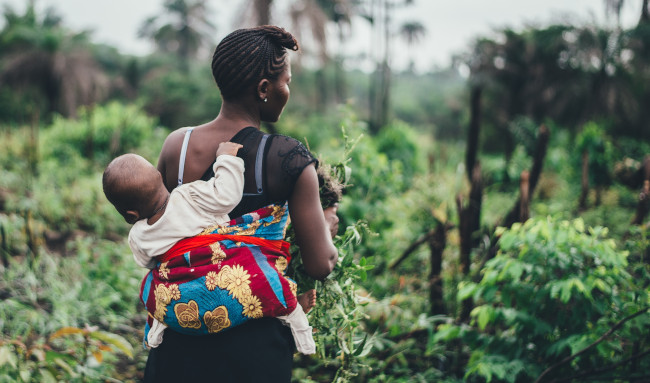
{"x":250,"y":230}
{"x":217,"y":319}
{"x":281,"y":264}
{"x":218,"y":254}
{"x":236,"y":280}
{"x":278,"y":213}
{"x":164,"y":295}
{"x":218,"y":289}
{"x":252,"y":307}
{"x":211,"y":280}
{"x":163,"y":270}
{"x":294,"y":287}
{"x":188,"y":314}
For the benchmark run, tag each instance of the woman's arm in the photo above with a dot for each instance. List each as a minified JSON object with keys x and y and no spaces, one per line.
{"x":312,"y":226}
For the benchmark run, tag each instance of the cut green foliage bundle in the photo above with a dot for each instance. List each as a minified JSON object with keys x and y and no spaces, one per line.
{"x":341,"y":340}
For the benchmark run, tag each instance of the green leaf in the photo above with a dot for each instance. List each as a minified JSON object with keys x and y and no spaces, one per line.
{"x":484,"y":315}
{"x":46,"y":376}
{"x":53,"y":356}
{"x":7,"y":356}
{"x":466,"y":290}
{"x":25,"y":375}
{"x":114,"y":340}
{"x":565,"y":292}
{"x":68,"y":368}
{"x":446,"y":332}
{"x":360,"y":347}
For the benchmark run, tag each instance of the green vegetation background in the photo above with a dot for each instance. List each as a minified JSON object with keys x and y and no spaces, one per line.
{"x":565,"y":298}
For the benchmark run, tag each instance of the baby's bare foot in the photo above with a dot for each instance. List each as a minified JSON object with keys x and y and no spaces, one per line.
{"x":307,"y":300}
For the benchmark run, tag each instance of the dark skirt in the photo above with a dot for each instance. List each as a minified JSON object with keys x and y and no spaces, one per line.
{"x":260,"y":350}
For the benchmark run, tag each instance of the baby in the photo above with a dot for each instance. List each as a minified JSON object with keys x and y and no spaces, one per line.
{"x":160,"y":219}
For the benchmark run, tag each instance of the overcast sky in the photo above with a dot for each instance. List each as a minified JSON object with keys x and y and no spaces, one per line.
{"x":451,"y":24}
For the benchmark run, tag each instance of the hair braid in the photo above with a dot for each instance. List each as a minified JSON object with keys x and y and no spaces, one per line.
{"x":246,"y":56}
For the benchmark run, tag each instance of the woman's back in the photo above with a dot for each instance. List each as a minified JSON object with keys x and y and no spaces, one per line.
{"x":263,"y":347}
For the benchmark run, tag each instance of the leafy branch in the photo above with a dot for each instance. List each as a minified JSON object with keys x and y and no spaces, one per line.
{"x":592,"y":345}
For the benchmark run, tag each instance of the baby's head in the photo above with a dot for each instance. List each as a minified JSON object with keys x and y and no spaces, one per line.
{"x":133,"y":186}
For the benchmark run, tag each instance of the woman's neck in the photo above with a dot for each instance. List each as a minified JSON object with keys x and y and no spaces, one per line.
{"x":238,"y":114}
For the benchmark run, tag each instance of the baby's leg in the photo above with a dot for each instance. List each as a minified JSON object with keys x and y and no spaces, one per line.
{"x":307,"y":300}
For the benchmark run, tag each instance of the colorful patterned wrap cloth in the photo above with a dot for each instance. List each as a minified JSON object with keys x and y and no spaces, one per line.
{"x":204,"y":286}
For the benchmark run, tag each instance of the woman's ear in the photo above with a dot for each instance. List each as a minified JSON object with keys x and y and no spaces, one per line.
{"x":263,"y":89}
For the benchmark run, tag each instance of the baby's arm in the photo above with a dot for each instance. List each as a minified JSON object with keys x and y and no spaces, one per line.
{"x":223,"y":192}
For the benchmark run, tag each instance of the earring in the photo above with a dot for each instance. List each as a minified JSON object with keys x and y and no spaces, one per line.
{"x":265,"y":99}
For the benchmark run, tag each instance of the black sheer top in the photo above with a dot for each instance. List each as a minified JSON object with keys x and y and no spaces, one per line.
{"x":260,"y":350}
{"x":283,"y":160}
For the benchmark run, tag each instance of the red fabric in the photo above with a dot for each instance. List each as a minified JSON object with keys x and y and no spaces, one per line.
{"x":183,"y":246}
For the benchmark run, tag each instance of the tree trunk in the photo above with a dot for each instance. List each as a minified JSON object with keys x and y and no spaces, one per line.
{"x":582,"y":204}
{"x":384,"y":106}
{"x":515,"y":214}
{"x":3,"y":246}
{"x":31,"y":241}
{"x":645,"y":13}
{"x":90,"y":137}
{"x":322,"y":86}
{"x":475,"y":201}
{"x":469,"y":223}
{"x":474,"y":129}
{"x":524,"y":199}
{"x":339,"y":81}
{"x":263,"y":11}
{"x":372,"y":102}
{"x":437,"y":244}
{"x":33,"y":142}
{"x":535,"y":173}
{"x":643,"y":207}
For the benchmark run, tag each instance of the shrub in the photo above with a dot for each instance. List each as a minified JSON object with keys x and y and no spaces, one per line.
{"x":553,"y":289}
{"x":99,"y":134}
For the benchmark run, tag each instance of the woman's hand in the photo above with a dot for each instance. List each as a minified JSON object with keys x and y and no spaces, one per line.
{"x":332,"y":219}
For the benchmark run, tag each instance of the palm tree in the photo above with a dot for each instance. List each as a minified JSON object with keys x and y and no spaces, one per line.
{"x":412,"y":32}
{"x":48,"y":62}
{"x":182,"y":28}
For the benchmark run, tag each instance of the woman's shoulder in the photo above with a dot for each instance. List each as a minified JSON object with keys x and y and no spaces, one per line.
{"x":289,"y":144}
{"x":169,"y":154}
{"x":173,"y":143}
{"x":175,"y":139}
{"x":293,"y":155}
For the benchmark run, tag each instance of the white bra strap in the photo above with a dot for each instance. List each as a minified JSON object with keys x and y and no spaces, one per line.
{"x":181,"y":161}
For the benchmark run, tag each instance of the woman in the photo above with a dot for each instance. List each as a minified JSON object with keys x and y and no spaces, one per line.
{"x":253,"y":72}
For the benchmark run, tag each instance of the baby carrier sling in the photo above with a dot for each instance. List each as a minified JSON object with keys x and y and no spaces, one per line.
{"x":227,"y":274}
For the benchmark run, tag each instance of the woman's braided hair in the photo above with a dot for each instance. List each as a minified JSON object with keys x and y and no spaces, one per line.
{"x":246,"y":56}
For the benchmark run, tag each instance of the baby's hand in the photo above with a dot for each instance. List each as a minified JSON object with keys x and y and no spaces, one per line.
{"x":229,"y":148}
